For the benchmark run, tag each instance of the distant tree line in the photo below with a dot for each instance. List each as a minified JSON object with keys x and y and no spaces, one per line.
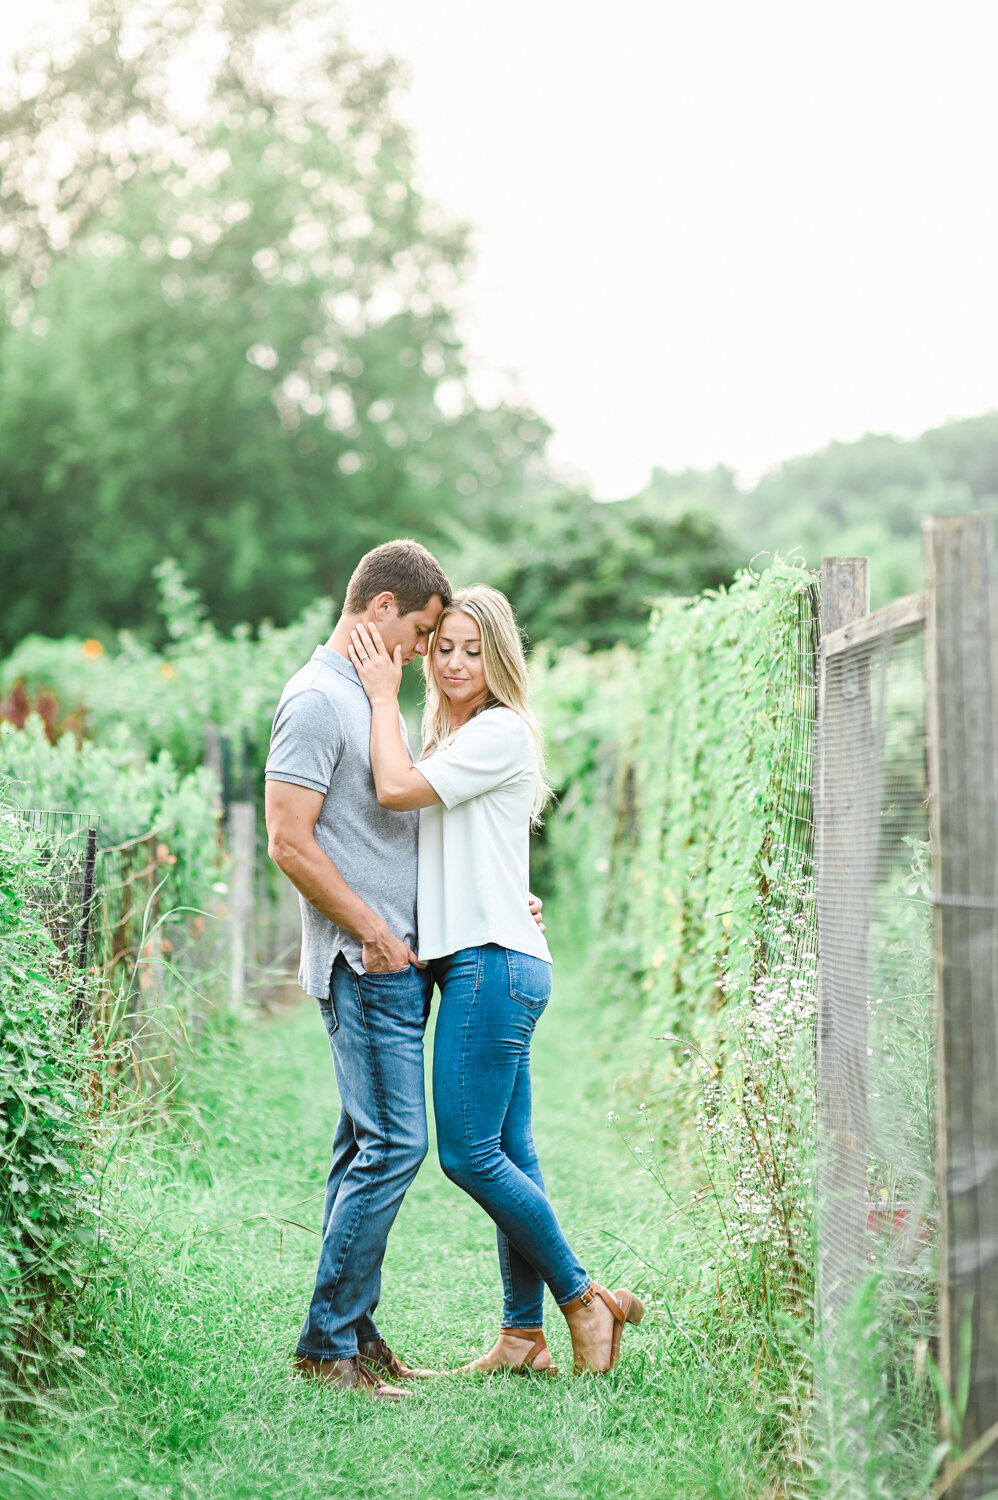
{"x":227,"y":336}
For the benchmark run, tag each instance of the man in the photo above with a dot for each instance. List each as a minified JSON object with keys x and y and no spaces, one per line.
{"x":354,"y":865}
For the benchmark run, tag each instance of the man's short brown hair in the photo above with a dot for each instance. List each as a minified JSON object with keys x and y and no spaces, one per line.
{"x":403,"y":568}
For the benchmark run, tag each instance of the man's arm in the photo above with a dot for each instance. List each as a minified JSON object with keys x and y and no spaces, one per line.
{"x":292,"y":812}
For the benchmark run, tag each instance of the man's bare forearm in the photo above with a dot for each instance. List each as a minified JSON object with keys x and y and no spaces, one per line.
{"x":313,"y":873}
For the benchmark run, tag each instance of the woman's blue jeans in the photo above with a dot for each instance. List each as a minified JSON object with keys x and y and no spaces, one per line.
{"x":490,"y":1001}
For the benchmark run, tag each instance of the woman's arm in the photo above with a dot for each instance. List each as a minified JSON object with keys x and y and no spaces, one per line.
{"x":397,"y":782}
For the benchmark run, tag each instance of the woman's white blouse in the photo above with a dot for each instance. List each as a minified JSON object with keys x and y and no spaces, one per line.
{"x":474,"y":861}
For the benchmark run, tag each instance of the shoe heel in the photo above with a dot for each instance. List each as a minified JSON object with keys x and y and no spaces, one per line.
{"x":632,"y":1307}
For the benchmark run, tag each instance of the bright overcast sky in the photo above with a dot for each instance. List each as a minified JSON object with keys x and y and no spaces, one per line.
{"x":713,"y":231}
{"x":716,"y":231}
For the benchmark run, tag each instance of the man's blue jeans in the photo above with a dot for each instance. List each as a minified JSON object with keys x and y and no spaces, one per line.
{"x":490,"y":1001}
{"x":375,"y":1024}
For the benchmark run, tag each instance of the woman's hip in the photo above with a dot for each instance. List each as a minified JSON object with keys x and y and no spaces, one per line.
{"x":492,"y":978}
{"x":490,"y":1001}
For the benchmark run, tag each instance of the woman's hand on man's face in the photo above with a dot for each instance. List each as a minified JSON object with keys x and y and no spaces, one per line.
{"x":380,"y":674}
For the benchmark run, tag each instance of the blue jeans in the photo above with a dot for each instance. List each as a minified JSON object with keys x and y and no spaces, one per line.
{"x":490,"y":1001}
{"x":375,"y":1024}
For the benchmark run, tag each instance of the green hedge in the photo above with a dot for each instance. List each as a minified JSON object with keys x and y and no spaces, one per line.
{"x":131,"y":795}
{"x":47,"y":1185}
{"x":681,"y":843}
{"x":162,"y":700}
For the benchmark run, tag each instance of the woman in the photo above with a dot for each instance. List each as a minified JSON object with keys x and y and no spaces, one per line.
{"x":479,"y":785}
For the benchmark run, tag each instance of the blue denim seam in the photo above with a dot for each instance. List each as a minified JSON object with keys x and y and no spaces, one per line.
{"x":506,"y":1272}
{"x":379,"y":1098}
{"x":464,"y":1074}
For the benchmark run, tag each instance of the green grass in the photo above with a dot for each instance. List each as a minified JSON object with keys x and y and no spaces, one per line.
{"x":183,"y":1393}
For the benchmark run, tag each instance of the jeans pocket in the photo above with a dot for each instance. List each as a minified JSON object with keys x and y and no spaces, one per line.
{"x":327,"y":1011}
{"x":529,"y":980}
{"x":385,"y":973}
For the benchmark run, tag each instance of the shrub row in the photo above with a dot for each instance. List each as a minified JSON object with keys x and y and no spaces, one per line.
{"x":682,"y":841}
{"x":48,"y":1221}
{"x":140,"y":1002}
{"x":160,"y":701}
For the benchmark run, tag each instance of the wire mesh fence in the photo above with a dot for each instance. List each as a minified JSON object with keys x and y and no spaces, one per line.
{"x":906,"y":801}
{"x":105,"y":908}
{"x":67,"y":844}
{"x":66,"y":891}
{"x":876,"y":1214}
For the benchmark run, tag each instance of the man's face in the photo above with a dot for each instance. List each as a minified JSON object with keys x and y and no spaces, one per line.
{"x":412,"y":631}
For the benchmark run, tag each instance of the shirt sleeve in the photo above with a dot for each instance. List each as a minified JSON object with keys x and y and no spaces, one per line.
{"x":492,"y":749}
{"x":306,"y":741}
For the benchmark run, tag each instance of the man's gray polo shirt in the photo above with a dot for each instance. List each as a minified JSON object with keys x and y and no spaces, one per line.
{"x":321,"y":739}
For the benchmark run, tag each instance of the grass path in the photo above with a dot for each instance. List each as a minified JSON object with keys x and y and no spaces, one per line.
{"x":188,"y":1397}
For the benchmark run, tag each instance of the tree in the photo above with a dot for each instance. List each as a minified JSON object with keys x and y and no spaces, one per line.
{"x":230,"y":337}
{"x":579,"y":571}
{"x":868,"y":498}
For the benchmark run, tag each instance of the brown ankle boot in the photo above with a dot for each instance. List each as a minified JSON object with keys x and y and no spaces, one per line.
{"x":346,"y":1375}
{"x":386,"y":1364}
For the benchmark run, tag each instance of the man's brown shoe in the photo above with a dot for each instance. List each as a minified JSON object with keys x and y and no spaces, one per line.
{"x":387,"y":1365}
{"x":347,"y":1375}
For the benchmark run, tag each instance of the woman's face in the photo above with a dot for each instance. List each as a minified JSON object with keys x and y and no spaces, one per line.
{"x":457,"y":662}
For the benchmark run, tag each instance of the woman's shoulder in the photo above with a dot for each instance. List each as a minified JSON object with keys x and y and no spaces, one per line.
{"x":501,"y":720}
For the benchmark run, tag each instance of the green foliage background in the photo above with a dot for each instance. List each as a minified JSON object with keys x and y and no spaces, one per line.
{"x":675,"y":764}
{"x":682,"y":844}
{"x":229,"y":335}
{"x":48,"y":1197}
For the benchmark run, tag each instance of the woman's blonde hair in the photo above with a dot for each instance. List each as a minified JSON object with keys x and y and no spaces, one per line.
{"x":505,"y":675}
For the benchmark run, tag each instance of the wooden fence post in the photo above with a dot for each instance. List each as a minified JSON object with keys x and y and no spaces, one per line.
{"x":242,"y":851}
{"x":960,"y":662}
{"x":214,"y":761}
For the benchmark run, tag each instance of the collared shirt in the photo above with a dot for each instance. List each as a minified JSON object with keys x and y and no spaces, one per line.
{"x":321,"y":739}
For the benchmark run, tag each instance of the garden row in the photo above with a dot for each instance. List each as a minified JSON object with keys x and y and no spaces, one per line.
{"x":681,"y":844}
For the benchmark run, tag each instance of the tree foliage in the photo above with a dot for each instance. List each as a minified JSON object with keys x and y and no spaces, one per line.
{"x":582,"y":572}
{"x":868,"y":498}
{"x":230,"y":337}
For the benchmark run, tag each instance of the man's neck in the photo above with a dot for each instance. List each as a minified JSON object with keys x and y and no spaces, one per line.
{"x":339,"y":641}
